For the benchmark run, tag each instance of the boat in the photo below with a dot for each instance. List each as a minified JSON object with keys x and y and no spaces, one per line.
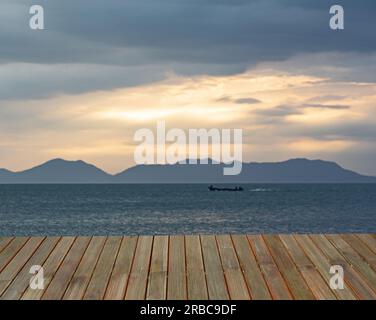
{"x":211,"y":188}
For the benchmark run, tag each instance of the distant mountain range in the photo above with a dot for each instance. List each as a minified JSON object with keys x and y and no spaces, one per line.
{"x":291,"y":171}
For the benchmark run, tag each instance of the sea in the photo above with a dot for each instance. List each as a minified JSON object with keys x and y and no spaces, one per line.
{"x":159,"y":209}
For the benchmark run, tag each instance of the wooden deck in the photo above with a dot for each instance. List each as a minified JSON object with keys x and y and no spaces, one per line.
{"x":189,"y":267}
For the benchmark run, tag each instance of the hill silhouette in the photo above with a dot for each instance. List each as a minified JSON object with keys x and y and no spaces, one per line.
{"x":290,"y":171}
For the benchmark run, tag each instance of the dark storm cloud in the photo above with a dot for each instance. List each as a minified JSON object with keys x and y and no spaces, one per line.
{"x":38,"y":81}
{"x":205,"y":31}
{"x":146,"y":39}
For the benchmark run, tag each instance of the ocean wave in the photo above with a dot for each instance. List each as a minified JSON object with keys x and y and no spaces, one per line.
{"x":261,"y":190}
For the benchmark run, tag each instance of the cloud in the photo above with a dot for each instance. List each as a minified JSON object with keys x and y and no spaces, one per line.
{"x":239,"y":100}
{"x":355,"y":130}
{"x":225,"y":99}
{"x":98,"y":126}
{"x":326,"y":98}
{"x":101,"y":69}
{"x":247,"y":101}
{"x":350,"y":66}
{"x":327,"y":106}
{"x":184,"y":37}
{"x":278,"y":111}
{"x":25,"y":81}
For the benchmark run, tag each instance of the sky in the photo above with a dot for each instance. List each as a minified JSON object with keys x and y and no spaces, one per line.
{"x":103,"y":69}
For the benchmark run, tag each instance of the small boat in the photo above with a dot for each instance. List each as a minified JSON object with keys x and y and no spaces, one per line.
{"x":211,"y":188}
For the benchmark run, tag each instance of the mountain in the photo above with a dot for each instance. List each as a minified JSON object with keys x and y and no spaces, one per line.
{"x":291,"y":171}
{"x":5,"y":175}
{"x":58,"y":171}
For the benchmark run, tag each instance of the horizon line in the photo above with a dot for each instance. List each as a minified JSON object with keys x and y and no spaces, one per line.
{"x":177,"y":163}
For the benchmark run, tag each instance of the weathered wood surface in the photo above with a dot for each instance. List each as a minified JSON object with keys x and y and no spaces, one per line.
{"x":189,"y":267}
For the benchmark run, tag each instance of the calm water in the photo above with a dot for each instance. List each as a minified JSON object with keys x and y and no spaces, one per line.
{"x":185,"y":209}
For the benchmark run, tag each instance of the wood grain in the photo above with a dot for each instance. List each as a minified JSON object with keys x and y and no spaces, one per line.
{"x":196,"y":281}
{"x":272,"y":275}
{"x":122,"y":268}
{"x":64,"y":274}
{"x":353,"y":280}
{"x":196,"y":267}
{"x":215,"y":278}
{"x":252,"y":273}
{"x":157,"y":285}
{"x":12,"y":269}
{"x":236,"y":284}
{"x":50,"y":267}
{"x":316,"y":283}
{"x":177,"y":282}
{"x":81,"y":278}
{"x":138,"y":278}
{"x":22,"y":281}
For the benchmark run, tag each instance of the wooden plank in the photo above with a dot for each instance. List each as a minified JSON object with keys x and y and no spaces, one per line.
{"x":4,"y":241}
{"x":50,"y":267}
{"x":122,"y":268}
{"x":177,"y":282}
{"x":81,"y":278}
{"x":193,"y":267}
{"x":17,"y":263}
{"x":368,"y":240}
{"x":273,"y":277}
{"x":252,"y":273}
{"x":157,"y":286}
{"x":236,"y":284}
{"x":361,"y":248}
{"x":196,"y":281}
{"x":215,"y":278}
{"x":138,"y":278}
{"x":64,"y":274}
{"x":354,"y":259}
{"x":316,"y":283}
{"x":102,"y":272}
{"x":353,"y":281}
{"x":22,"y":281}
{"x":11,"y":250}
{"x":322,"y":265}
{"x":296,"y":283}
